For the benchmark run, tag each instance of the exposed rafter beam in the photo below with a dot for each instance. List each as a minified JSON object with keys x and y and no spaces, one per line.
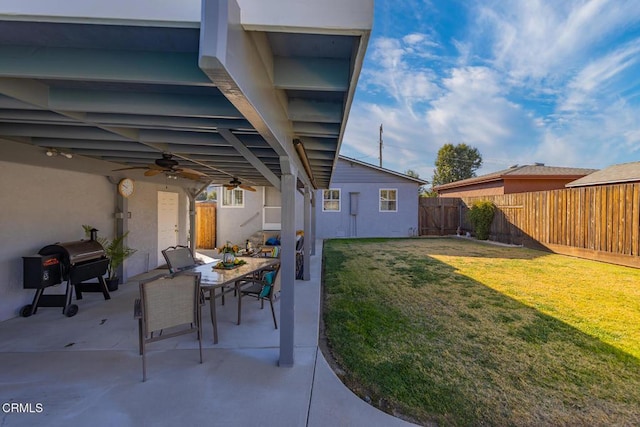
{"x":102,"y":65}
{"x":313,"y":111}
{"x":251,"y":158}
{"x":47,"y":131}
{"x":228,"y":55}
{"x":316,"y":129}
{"x":322,"y":74}
{"x":92,"y":145}
{"x":159,"y":104}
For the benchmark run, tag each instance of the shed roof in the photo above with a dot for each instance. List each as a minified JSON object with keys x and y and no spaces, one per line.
{"x":535,"y":171}
{"x":624,"y":172}
{"x":385,"y":170}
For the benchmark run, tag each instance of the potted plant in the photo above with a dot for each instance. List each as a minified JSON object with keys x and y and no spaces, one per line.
{"x":117,"y":252}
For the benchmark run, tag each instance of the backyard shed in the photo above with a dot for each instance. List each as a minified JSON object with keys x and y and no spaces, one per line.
{"x":364,"y":200}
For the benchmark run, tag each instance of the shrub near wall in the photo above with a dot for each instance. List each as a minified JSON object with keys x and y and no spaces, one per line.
{"x":481,"y":216}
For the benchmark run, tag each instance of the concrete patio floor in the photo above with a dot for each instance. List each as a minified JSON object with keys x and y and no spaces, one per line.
{"x":86,"y":370}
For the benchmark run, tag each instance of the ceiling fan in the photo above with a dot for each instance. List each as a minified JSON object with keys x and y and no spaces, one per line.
{"x":170,"y":166}
{"x":235,"y":183}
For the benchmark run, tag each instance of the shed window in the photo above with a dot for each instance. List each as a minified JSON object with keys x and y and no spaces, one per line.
{"x":331,"y":200}
{"x":233,"y":197}
{"x":388,"y":200}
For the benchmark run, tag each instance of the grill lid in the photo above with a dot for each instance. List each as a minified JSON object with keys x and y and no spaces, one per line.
{"x":75,"y":252}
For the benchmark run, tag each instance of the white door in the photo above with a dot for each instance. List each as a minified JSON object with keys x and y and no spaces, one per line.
{"x":167,"y":222}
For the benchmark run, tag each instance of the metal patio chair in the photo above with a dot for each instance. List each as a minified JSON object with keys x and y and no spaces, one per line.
{"x":168,"y":303}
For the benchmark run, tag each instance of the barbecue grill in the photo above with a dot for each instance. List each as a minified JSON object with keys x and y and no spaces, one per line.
{"x":73,"y":262}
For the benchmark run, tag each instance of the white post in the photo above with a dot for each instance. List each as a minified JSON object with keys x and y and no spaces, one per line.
{"x":287,"y":261}
{"x":306,"y":257}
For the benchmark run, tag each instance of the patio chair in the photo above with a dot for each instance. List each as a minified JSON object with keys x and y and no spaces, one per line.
{"x":263,"y":289}
{"x":170,"y":302}
{"x":180,"y":258}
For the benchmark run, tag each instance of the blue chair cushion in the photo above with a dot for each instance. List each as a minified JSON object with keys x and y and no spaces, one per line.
{"x":268,"y":280}
{"x":272,"y":241}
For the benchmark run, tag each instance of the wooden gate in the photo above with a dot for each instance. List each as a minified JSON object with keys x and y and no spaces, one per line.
{"x":205,"y":225}
{"x":438,"y":216}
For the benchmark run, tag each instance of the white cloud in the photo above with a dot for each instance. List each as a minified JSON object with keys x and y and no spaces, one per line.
{"x":594,"y":82}
{"x":543,"y":40}
{"x":528,"y":81}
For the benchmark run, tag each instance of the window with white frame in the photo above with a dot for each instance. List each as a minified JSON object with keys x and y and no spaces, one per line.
{"x":233,"y":197}
{"x":388,"y":200}
{"x":331,"y":200}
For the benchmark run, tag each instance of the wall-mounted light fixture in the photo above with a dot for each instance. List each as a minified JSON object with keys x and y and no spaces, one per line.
{"x":305,"y":160}
{"x":52,"y":152}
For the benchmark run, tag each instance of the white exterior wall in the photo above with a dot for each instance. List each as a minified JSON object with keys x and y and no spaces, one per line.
{"x":41,"y":206}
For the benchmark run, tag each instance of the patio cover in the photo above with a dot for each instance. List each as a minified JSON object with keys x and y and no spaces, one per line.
{"x":226,"y":86}
{"x":253,"y":89}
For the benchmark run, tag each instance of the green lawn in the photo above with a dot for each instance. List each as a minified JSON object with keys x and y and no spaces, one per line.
{"x":464,"y":333}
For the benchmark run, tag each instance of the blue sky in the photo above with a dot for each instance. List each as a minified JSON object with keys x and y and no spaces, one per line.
{"x":524,"y":81}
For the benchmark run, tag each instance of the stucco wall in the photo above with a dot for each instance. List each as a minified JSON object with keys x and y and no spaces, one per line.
{"x":493,"y":188}
{"x":41,"y":206}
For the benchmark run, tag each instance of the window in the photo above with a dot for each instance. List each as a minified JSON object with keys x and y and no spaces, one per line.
{"x":331,"y":200}
{"x":388,"y":200}
{"x":233,"y":197}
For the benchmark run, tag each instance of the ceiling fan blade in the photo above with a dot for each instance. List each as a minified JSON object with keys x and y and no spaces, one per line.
{"x":130,"y":168}
{"x":191,"y":171}
{"x":192,"y":176}
{"x":247,"y":187}
{"x":230,"y":186}
{"x":152,"y":172}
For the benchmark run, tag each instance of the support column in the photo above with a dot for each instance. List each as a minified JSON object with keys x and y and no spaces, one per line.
{"x":121,"y":228}
{"x":287,"y":262}
{"x":312,"y":241}
{"x":306,"y":257}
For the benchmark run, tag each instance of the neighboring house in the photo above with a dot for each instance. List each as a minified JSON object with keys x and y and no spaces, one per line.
{"x":616,"y":174}
{"x":367,"y":201}
{"x":516,"y":179}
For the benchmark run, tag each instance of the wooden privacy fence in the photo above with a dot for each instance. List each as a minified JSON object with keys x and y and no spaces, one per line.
{"x":438,"y":216}
{"x":205,"y":225}
{"x":600,"y":222}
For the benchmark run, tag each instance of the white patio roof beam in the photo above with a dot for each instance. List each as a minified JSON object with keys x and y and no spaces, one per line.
{"x":160,"y":104}
{"x":314,"y":111}
{"x":250,"y":156}
{"x":322,"y":74}
{"x":107,"y":66}
{"x":228,"y":55}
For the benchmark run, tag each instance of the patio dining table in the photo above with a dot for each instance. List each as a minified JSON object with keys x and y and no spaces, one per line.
{"x":214,"y":278}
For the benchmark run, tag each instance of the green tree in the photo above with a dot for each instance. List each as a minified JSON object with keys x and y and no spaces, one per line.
{"x":456,"y":162}
{"x":421,"y":190}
